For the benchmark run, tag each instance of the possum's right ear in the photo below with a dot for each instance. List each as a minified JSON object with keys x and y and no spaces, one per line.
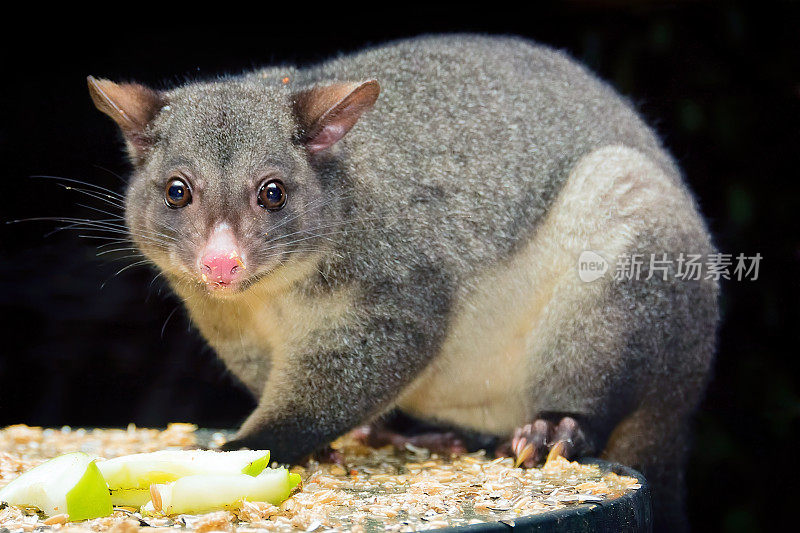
{"x":131,"y":106}
{"x":327,"y":112}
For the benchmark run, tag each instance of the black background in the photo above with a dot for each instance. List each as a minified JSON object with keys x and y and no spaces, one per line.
{"x":719,"y":82}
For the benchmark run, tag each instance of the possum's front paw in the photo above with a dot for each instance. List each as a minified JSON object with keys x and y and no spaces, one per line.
{"x":282,"y":450}
{"x":324,"y":454}
{"x":532,"y":442}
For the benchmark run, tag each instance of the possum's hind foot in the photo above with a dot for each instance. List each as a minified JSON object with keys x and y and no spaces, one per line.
{"x":532,"y":443}
{"x":444,"y":442}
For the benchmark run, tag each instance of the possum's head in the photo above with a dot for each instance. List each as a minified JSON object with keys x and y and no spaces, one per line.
{"x":224,"y":191}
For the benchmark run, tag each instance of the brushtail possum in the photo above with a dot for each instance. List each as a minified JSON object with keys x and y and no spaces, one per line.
{"x":401,"y":228}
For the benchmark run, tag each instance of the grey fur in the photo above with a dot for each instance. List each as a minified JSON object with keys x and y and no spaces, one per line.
{"x":449,"y":176}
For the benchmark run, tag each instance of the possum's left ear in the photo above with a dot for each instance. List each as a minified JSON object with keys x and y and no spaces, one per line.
{"x":131,"y":106}
{"x":326,"y":113}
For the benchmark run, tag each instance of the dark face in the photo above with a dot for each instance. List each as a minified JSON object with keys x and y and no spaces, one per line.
{"x":226,"y":194}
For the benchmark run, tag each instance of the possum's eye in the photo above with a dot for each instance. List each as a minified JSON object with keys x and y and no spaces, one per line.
{"x":272,"y":195}
{"x":177,"y":193}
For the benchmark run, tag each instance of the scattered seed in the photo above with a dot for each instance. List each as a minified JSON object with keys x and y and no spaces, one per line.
{"x":56,"y":519}
{"x":394,"y":490}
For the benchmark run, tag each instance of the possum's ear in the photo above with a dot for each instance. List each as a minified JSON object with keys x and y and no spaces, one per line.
{"x":326,"y":113}
{"x":131,"y":106}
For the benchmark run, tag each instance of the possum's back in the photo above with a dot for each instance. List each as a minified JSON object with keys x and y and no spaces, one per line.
{"x":476,"y":134}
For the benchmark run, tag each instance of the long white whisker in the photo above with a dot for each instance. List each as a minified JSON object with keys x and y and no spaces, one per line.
{"x":97,"y":209}
{"x":123,"y":269}
{"x":167,"y":320}
{"x":104,"y":197}
{"x":86,"y":183}
{"x":130,"y":248}
{"x":120,"y":178}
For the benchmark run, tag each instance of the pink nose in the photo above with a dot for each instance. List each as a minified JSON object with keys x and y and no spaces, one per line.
{"x":221,"y":267}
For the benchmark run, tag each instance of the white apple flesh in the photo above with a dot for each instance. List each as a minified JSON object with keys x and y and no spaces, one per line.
{"x":129,"y":477}
{"x":69,"y":484}
{"x":203,"y":493}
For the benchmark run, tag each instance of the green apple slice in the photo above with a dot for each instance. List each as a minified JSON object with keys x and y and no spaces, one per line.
{"x":70,"y":484}
{"x":204,"y":493}
{"x":129,"y":477}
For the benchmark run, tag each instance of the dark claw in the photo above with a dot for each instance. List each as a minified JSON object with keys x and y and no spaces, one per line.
{"x":531,"y":443}
{"x":570,"y":433}
{"x":442,"y":443}
{"x":328,"y":455}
